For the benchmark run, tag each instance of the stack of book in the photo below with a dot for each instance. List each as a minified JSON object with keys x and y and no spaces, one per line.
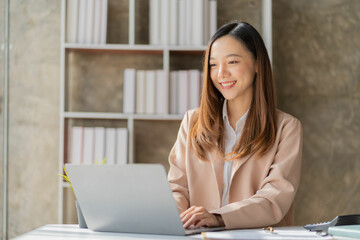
{"x":86,"y":21}
{"x":149,"y":91}
{"x":182,"y":22}
{"x":92,"y":144}
{"x":185,"y":90}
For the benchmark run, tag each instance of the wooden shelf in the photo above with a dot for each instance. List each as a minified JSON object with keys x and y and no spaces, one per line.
{"x":122,"y":116}
{"x":140,"y":47}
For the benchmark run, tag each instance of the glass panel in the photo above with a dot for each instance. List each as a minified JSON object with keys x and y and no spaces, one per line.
{"x":33,"y":114}
{"x":2,"y":22}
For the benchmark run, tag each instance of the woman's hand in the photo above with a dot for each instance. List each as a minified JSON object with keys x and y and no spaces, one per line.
{"x":198,"y":217}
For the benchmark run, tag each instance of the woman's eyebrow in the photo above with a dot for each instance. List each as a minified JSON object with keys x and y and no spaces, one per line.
{"x":233,"y":55}
{"x":227,"y":56}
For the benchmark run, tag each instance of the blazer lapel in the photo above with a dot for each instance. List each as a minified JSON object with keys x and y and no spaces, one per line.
{"x":218,"y":167}
{"x":237,"y":163}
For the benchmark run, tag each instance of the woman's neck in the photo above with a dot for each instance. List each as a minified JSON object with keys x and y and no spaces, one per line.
{"x":236,"y":110}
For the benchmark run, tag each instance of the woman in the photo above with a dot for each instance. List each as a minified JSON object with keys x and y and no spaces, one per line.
{"x":237,"y":159}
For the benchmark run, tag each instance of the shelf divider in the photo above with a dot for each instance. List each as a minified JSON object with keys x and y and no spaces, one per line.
{"x":121,"y":116}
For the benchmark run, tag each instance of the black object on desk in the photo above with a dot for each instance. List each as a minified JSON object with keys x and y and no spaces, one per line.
{"x":352,"y":219}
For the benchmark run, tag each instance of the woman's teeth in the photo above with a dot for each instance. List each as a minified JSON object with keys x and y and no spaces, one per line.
{"x":228,"y":84}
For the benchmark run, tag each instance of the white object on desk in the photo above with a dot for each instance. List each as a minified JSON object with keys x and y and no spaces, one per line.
{"x":277,"y":233}
{"x":72,"y":232}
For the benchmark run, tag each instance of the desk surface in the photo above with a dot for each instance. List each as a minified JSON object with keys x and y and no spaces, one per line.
{"x":72,"y":231}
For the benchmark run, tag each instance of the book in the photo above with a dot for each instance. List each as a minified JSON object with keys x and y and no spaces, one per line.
{"x":110,"y":143}
{"x":77,"y":138}
{"x":103,"y":24}
{"x":164,"y":21}
{"x":173,"y":25}
{"x":194,"y":86}
{"x":71,"y":20}
{"x":183,"y":91}
{"x":150,"y":92}
{"x":89,"y":23}
{"x":88,"y":155}
{"x":182,"y":23}
{"x":173,"y":92}
{"x":162,"y":93}
{"x":121,"y":146}
{"x":206,"y":19}
{"x":188,"y":21}
{"x":97,"y":22}
{"x":140,"y":91}
{"x":129,"y":90}
{"x":81,"y":21}
{"x":213,"y":17}
{"x":348,"y":231}
{"x":155,"y":22}
{"x":197,"y":22}
{"x":99,"y":146}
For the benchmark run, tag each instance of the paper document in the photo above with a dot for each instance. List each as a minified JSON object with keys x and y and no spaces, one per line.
{"x":277,"y":233}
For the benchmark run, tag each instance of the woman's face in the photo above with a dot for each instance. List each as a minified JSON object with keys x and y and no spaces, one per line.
{"x":232,"y":69}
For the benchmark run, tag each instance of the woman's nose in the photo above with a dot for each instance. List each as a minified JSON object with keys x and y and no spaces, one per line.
{"x":223,"y":71}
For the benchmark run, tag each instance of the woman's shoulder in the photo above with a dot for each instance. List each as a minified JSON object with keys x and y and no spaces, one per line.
{"x":284,"y":118}
{"x":192,"y":112}
{"x":190,"y":116}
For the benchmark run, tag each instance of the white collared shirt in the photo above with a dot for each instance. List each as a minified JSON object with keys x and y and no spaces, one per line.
{"x":231,"y":137}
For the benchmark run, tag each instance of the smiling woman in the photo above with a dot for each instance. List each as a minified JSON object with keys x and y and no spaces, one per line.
{"x":237,"y":159}
{"x":232,"y":70}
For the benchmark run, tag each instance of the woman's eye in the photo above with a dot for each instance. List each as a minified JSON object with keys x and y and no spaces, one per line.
{"x":212,"y":64}
{"x":233,"y":62}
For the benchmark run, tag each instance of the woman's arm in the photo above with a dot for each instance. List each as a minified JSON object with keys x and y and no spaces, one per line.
{"x":272,"y":201}
{"x":177,"y":173}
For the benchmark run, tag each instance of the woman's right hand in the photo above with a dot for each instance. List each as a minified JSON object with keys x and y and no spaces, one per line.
{"x":196,"y":217}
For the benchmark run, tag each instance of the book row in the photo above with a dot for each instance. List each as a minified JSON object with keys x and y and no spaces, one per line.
{"x":86,"y":21}
{"x":90,"y":145}
{"x":182,"y":22}
{"x":150,"y":91}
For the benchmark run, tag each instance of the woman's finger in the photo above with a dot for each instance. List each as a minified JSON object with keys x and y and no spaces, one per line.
{"x":187,"y":211}
{"x":203,"y":222}
{"x":193,"y":220}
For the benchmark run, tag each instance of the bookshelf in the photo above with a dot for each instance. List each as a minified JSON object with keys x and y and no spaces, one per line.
{"x":78,"y":75}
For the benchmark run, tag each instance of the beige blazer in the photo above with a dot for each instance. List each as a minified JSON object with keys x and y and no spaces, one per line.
{"x":261,"y":190}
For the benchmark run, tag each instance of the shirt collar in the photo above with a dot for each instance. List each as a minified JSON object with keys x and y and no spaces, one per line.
{"x":224,"y":112}
{"x":226,"y":117}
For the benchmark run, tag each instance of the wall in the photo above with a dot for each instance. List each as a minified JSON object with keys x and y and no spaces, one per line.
{"x":2,"y":21}
{"x":34,"y":114}
{"x":317,"y":71}
{"x":316,"y":62}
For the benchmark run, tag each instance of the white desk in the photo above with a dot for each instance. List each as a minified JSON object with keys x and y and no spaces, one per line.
{"x":73,"y":232}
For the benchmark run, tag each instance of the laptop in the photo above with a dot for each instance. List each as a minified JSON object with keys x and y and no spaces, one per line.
{"x":132,"y":198}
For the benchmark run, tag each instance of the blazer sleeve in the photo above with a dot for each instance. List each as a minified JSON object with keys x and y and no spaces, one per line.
{"x":273,"y":200}
{"x":177,"y":173}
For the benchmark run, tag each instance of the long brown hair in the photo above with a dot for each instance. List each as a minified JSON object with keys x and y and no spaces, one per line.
{"x":259,"y":130}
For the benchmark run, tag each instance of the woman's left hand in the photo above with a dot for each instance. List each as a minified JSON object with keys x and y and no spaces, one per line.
{"x":198,"y":217}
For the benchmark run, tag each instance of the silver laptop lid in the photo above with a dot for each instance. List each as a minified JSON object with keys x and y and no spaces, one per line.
{"x":134,"y":198}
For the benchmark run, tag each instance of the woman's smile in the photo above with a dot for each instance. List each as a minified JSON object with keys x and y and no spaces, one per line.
{"x":228,"y":84}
